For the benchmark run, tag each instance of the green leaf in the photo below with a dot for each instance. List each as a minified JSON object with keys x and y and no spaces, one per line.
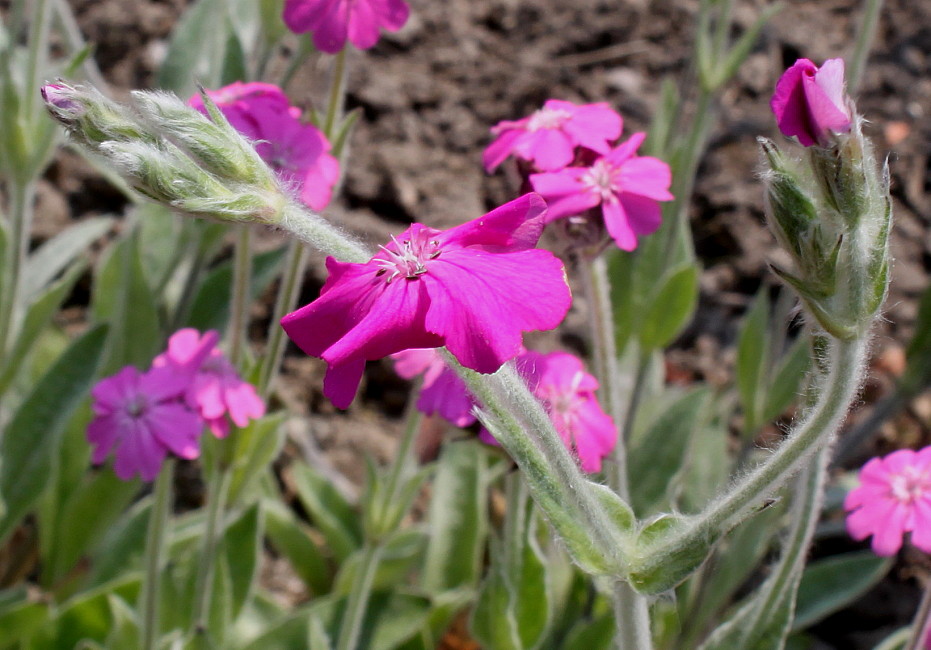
{"x":31,"y":440}
{"x":92,"y":507}
{"x":52,"y":257}
{"x":256,"y":446}
{"x":831,"y":584}
{"x":292,"y":539}
{"x":211,"y":307}
{"x":122,"y":297}
{"x":391,"y":618}
{"x":592,"y":635}
{"x":788,"y":382}
{"x":753,"y":345}
{"x":707,"y":467}
{"x":190,"y":56}
{"x":671,"y":308}
{"x":401,"y":553}
{"x":242,"y":547}
{"x":122,"y":544}
{"x":20,"y":620}
{"x":458,"y":518}
{"x":125,"y":630}
{"x":329,"y":511}
{"x":38,"y":315}
{"x":661,"y":452}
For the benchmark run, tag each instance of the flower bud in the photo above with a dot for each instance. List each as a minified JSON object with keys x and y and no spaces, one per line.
{"x":173,"y":154}
{"x":810,"y":102}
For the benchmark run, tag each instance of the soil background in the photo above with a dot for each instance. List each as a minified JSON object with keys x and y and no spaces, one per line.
{"x":429,"y":95}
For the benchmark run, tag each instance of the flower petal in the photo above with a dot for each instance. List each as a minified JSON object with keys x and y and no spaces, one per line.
{"x":514,"y":226}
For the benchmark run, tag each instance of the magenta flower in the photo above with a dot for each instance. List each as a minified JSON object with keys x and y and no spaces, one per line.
{"x":626,"y":186}
{"x":474,"y":288}
{"x":298,"y":153}
{"x":442,"y":391}
{"x":810,"y":102}
{"x":549,"y":137}
{"x":215,"y":389}
{"x":893,"y":498}
{"x":333,"y":21}
{"x":567,"y":392}
{"x":143,"y":416}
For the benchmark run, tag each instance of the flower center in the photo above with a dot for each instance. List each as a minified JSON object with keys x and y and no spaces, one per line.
{"x":408,"y":258}
{"x":548,"y":118}
{"x":137,"y":406}
{"x":910,"y":485}
{"x":600,"y":180}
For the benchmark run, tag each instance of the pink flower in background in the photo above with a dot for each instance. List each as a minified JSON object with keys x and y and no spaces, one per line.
{"x":143,"y":416}
{"x":298,"y":153}
{"x":626,"y":186}
{"x":442,"y":391}
{"x":216,"y":389}
{"x":810,"y":102}
{"x":333,"y":21}
{"x":549,"y":137}
{"x":893,"y":498}
{"x":474,"y":288}
{"x":567,"y":391}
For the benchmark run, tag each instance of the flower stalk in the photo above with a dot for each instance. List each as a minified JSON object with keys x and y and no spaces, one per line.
{"x":155,"y":555}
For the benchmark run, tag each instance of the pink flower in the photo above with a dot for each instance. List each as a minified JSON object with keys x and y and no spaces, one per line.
{"x":333,"y":21}
{"x":894,"y":498}
{"x":549,"y":137}
{"x":474,"y":288}
{"x":442,"y":391}
{"x":216,"y":389}
{"x":810,"y":102}
{"x":567,"y":392}
{"x":626,"y":186}
{"x":298,"y":153}
{"x":143,"y":416}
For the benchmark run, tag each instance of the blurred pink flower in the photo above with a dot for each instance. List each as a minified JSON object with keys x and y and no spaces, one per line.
{"x":810,"y":103}
{"x":549,"y":136}
{"x":333,"y":21}
{"x":215,"y":388}
{"x":474,"y":288}
{"x":298,"y":153}
{"x":559,"y":381}
{"x":442,"y":391}
{"x":628,"y":188}
{"x":143,"y":416}
{"x":893,"y":498}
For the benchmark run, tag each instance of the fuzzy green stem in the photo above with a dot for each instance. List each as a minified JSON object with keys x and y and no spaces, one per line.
{"x":921,"y":624}
{"x":287,"y":298}
{"x":863,"y":44}
{"x":845,"y":362}
{"x":354,"y":616}
{"x":313,"y":229}
{"x":38,"y":51}
{"x":412,"y":419}
{"x":155,"y":555}
{"x":597,"y":288}
{"x":239,"y":305}
{"x":219,"y":490}
{"x":632,"y":618}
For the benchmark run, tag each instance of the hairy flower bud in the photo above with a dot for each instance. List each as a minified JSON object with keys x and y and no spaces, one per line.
{"x":173,"y":154}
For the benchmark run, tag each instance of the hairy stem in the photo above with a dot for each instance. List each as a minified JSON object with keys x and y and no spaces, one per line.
{"x":155,"y":555}
{"x":861,"y":50}
{"x":219,"y":490}
{"x":239,"y":305}
{"x":351,"y":628}
{"x":286,"y":301}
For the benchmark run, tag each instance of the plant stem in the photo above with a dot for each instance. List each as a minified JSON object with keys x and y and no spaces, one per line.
{"x":37,"y":53}
{"x":845,"y":362}
{"x":286,"y":301}
{"x":337,"y":93}
{"x":219,"y":489}
{"x":313,"y":229}
{"x":154,"y":555}
{"x":21,"y":198}
{"x":921,"y":625}
{"x":863,"y":44}
{"x":351,"y":629}
{"x":239,"y":306}
{"x":632,"y":618}
{"x":412,"y":419}
{"x":597,"y":288}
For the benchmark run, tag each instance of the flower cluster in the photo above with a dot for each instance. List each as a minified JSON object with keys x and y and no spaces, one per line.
{"x":333,"y":21}
{"x":298,"y":153}
{"x":579,"y":169}
{"x":557,"y":379}
{"x":143,"y":416}
{"x":474,"y":288}
{"x":893,"y":498}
